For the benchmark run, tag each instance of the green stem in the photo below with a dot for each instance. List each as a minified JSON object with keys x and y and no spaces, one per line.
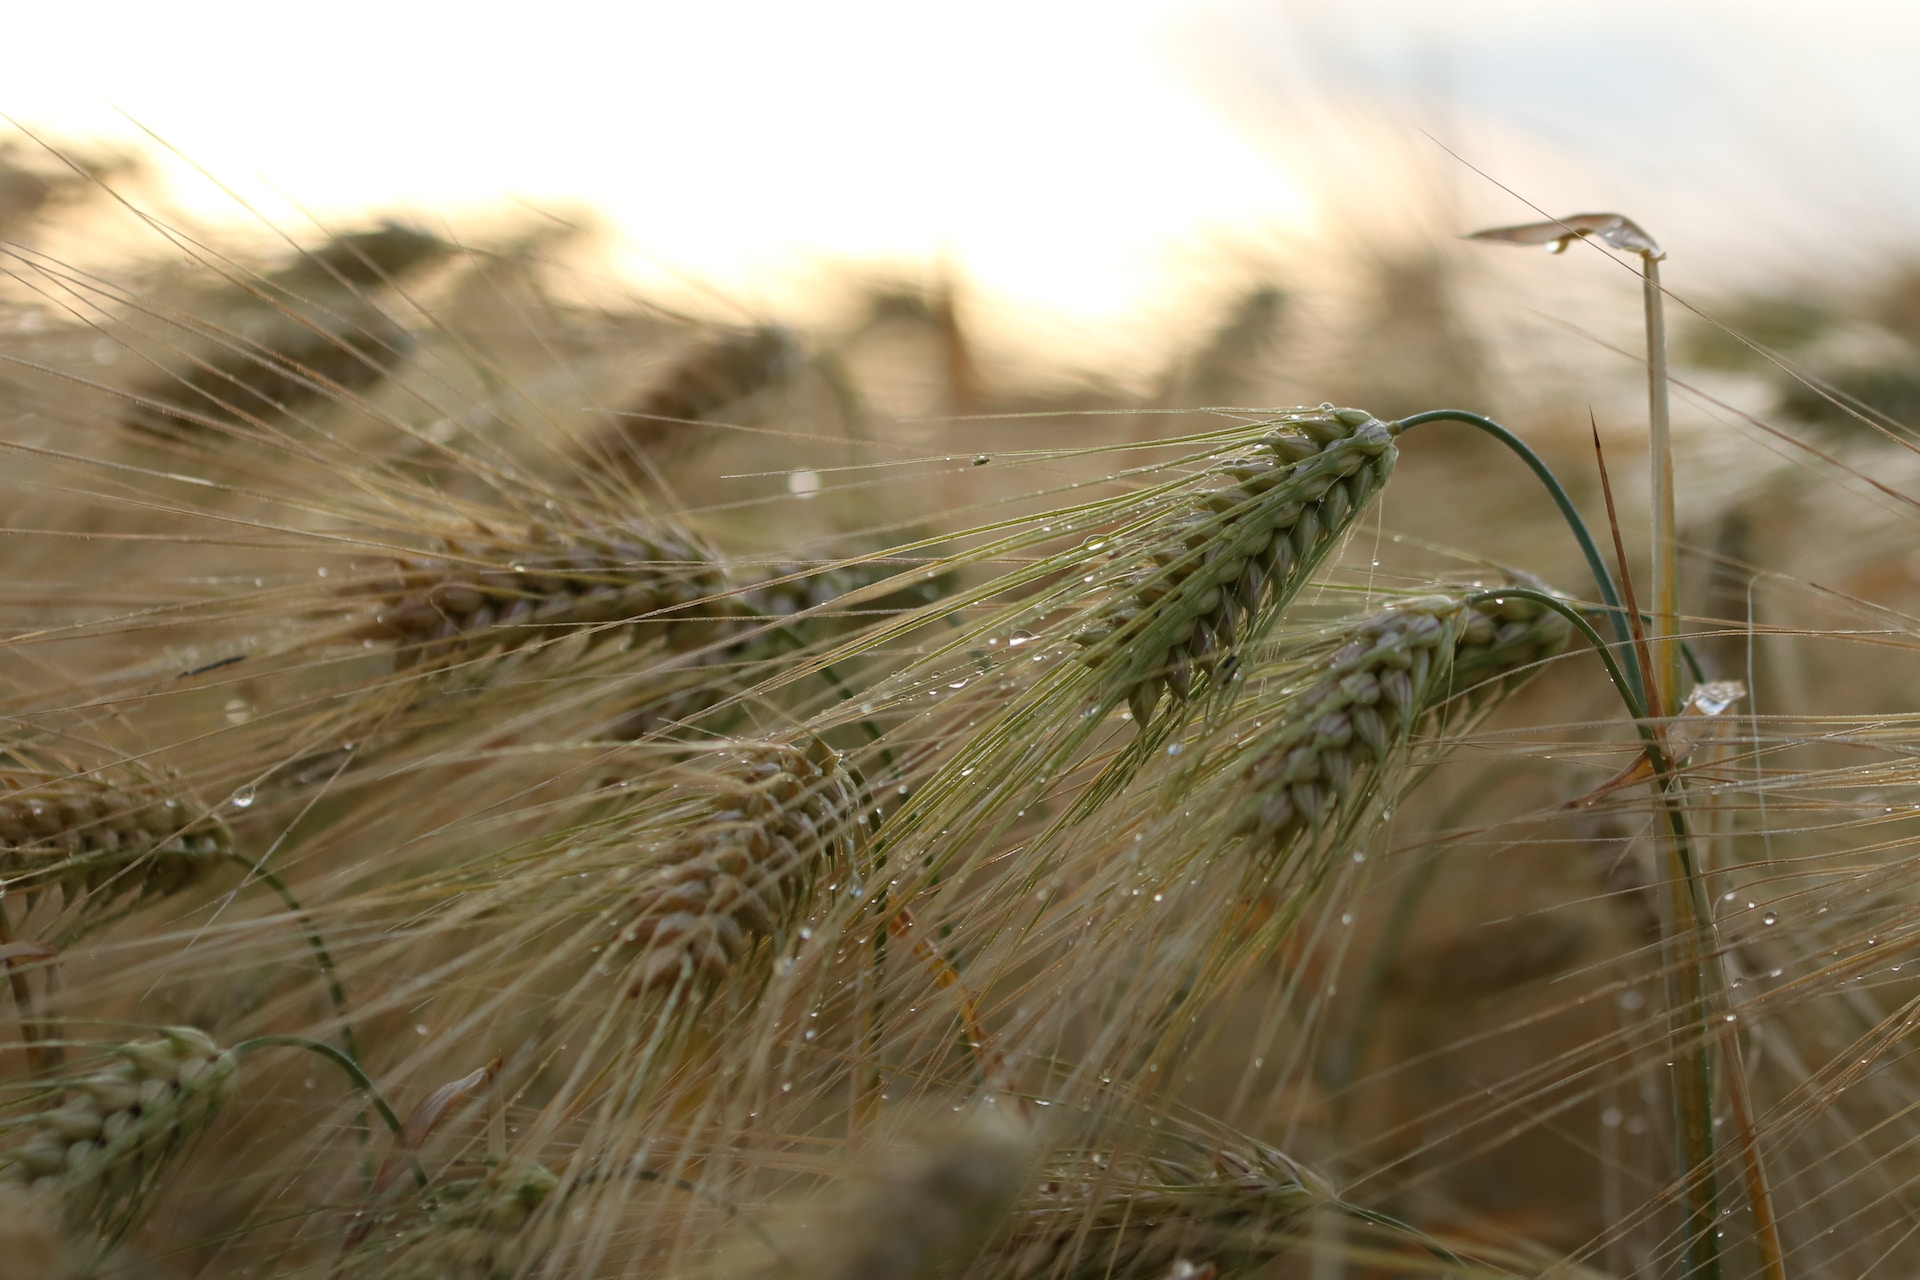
{"x":1596,"y":564}
{"x":1691,"y":947}
{"x":320,"y":955}
{"x":361,"y":1081}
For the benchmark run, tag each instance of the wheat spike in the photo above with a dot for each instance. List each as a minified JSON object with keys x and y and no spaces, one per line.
{"x":1220,"y":567}
{"x":104,"y":1147}
{"x":1099,"y":1217}
{"x":744,"y":871}
{"x":87,"y":832}
{"x":497,"y":595}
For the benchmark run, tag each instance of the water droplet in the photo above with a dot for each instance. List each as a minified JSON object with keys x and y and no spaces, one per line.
{"x":1346,"y":917}
{"x":981,"y":460}
{"x":1175,"y":748}
{"x":1019,"y":638}
{"x":1631,"y":1000}
{"x":786,"y":1086}
{"x":419,"y":1028}
{"x":803,"y":483}
{"x":243,"y":798}
{"x":1772,"y":917}
{"x":238,"y":711}
{"x":958,"y":684}
{"x":1612,"y":1117}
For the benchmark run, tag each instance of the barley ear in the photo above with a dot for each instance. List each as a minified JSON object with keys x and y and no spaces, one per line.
{"x":107,"y":832}
{"x":486,"y":1228}
{"x":105,"y":1147}
{"x":743,"y":872}
{"x":1207,"y":578}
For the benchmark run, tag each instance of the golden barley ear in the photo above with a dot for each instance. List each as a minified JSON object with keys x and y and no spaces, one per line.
{"x":715,"y":373}
{"x":308,"y":335}
{"x":742,"y":874}
{"x":107,"y":832}
{"x":103,"y":1150}
{"x":1097,"y":1214}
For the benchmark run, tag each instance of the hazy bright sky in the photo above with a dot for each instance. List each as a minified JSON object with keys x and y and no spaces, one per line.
{"x":1078,"y":160}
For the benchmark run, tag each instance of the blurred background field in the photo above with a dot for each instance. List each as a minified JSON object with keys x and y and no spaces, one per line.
{"x":843,"y":260}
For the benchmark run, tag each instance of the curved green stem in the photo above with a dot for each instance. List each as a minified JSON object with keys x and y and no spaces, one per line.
{"x":320,"y":954}
{"x":361,"y":1081}
{"x":1602,"y":576}
{"x":1629,"y":689}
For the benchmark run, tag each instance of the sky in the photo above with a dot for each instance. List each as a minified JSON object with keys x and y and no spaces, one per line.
{"x":1078,"y":164}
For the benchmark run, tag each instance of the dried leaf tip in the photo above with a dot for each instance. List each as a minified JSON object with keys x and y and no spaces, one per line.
{"x":1556,"y":234}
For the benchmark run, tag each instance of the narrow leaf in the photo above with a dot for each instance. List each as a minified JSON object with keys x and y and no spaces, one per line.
{"x":1556,"y":234}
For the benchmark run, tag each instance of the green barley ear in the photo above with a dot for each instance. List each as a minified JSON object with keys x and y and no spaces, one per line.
{"x":744,"y":871}
{"x":490,"y":594}
{"x":1503,"y":640}
{"x":1212,"y":575}
{"x":468,"y":1229}
{"x":114,"y":831}
{"x":104,"y":1148}
{"x":1097,"y":1216}
{"x":1330,"y":745}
